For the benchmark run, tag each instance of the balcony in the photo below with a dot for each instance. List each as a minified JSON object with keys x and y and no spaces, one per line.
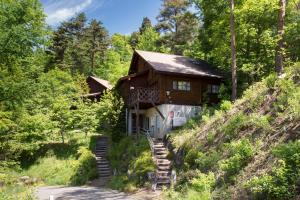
{"x":144,"y":95}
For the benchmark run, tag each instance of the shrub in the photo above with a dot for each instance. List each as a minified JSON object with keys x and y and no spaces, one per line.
{"x":207,"y":161}
{"x":225,"y":105}
{"x":283,"y":181}
{"x":118,"y":182}
{"x":132,"y":159}
{"x":86,"y":167}
{"x":203,"y":182}
{"x":142,"y":164}
{"x":240,"y":153}
{"x":191,"y":157}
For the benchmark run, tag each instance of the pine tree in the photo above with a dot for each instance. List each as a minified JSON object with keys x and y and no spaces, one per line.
{"x":145,"y":24}
{"x":97,"y":42}
{"x":177,"y":24}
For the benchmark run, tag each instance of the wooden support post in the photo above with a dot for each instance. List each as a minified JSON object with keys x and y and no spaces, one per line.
{"x":156,"y":108}
{"x":138,"y":120}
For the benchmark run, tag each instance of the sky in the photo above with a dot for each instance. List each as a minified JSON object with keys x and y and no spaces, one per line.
{"x":118,"y":16}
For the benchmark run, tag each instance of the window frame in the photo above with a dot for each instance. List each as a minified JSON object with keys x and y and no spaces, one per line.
{"x":213,"y":89}
{"x":184,"y":86}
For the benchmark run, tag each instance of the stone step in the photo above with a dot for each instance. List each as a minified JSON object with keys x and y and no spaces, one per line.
{"x":163,"y":178}
{"x":163,"y":168}
{"x":104,"y":174}
{"x":163,"y":182}
{"x":103,"y":165}
{"x":160,"y":149}
{"x":161,"y":152}
{"x":161,"y":156}
{"x":163,"y":173}
{"x":163,"y":161}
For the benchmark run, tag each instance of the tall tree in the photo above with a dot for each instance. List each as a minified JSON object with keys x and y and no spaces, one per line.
{"x":145,"y":25}
{"x":280,"y":44}
{"x":97,"y":42}
{"x":172,"y":23}
{"x":22,"y":31}
{"x":233,"y":52}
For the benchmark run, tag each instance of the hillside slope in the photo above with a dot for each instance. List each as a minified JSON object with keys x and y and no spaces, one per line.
{"x":249,"y":150}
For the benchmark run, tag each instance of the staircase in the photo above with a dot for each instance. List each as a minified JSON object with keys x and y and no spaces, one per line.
{"x":103,"y":167}
{"x":163,"y":171}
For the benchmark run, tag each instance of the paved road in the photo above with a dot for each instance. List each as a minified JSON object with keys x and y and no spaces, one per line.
{"x":91,"y":193}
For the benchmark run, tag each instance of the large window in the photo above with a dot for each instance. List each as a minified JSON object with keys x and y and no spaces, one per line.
{"x":182,"y":85}
{"x":213,"y":89}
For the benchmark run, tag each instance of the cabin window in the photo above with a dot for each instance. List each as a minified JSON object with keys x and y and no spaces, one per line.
{"x":213,"y":89}
{"x":182,"y":85}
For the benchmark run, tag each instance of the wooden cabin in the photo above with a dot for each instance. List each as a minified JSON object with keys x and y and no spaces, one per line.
{"x":97,"y":87}
{"x":162,"y":91}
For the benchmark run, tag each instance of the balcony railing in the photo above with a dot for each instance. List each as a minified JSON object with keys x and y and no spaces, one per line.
{"x":144,"y":95}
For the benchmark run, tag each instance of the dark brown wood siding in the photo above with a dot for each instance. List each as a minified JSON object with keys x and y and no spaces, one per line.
{"x":193,"y":97}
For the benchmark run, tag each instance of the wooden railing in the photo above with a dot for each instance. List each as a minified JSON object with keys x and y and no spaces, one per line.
{"x":144,"y":95}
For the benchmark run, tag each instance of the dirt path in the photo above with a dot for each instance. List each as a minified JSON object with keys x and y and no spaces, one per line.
{"x":91,"y":193}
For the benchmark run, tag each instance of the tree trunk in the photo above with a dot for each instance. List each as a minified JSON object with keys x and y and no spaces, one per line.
{"x":280,"y":43}
{"x":233,"y":52}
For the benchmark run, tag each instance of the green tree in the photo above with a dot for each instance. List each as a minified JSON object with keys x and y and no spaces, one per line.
{"x":97,"y":40}
{"x":145,"y":25}
{"x":22,"y":30}
{"x":177,"y":24}
{"x":148,"y":41}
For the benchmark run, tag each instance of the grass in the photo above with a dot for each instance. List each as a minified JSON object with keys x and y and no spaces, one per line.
{"x":53,"y":163}
{"x":19,"y":192}
{"x":52,"y":171}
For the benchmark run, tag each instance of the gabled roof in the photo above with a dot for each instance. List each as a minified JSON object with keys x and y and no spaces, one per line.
{"x":103,"y":82}
{"x":178,"y":64}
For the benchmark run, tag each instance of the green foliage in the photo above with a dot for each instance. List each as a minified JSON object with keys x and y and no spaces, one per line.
{"x":290,"y":93}
{"x":52,"y":171}
{"x":241,"y":121}
{"x":79,"y":47}
{"x":132,"y":159}
{"x":240,"y":153}
{"x":203,"y":183}
{"x":225,"y":105}
{"x":148,"y":40}
{"x":85,"y":169}
{"x":283,"y":181}
{"x":199,"y":187}
{"x":178,"y":25}
{"x":207,"y":161}
{"x":17,"y":192}
{"x":142,"y":164}
{"x":109,"y":113}
{"x":22,"y":30}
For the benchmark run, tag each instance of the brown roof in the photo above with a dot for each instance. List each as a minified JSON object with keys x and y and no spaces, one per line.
{"x":178,"y":64}
{"x":103,"y":82}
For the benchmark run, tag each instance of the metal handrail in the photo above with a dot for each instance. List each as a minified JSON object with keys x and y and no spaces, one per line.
{"x":151,"y":143}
